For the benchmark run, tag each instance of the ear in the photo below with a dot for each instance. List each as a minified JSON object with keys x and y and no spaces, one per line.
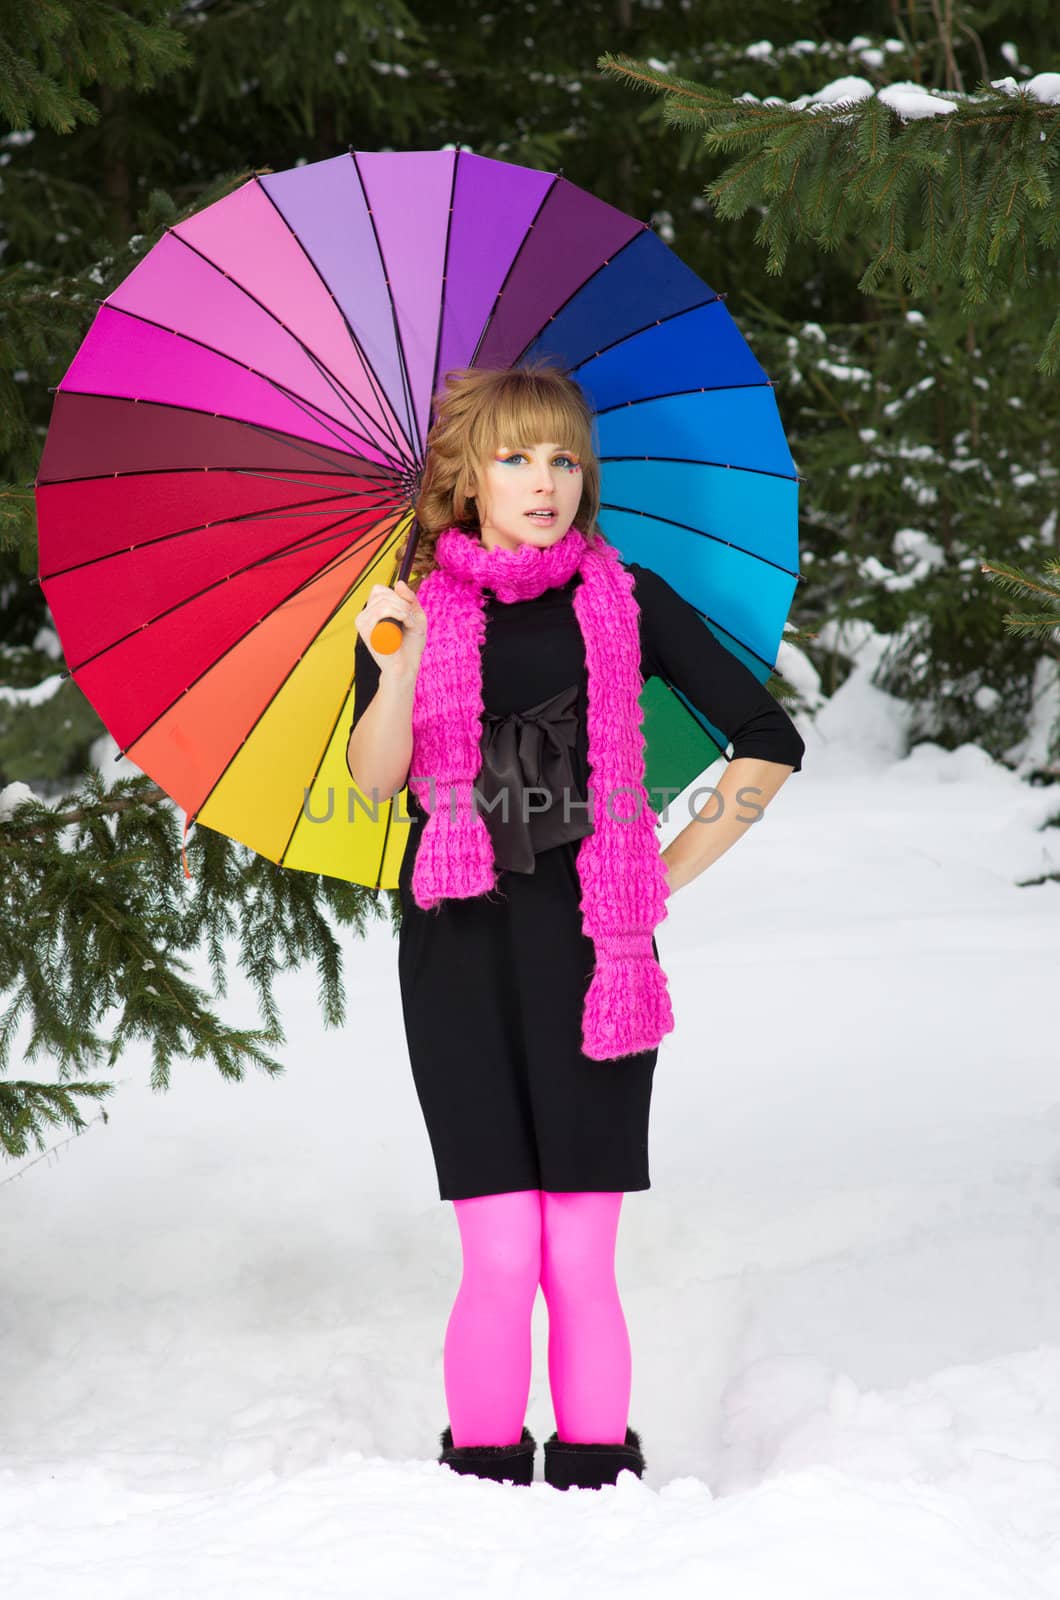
{"x":465,"y":496}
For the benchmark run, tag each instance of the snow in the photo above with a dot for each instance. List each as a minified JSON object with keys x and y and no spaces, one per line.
{"x":1033,"y":750}
{"x":835,"y":93}
{"x":910,"y":101}
{"x":36,"y":693}
{"x":846,"y":374}
{"x":224,"y":1309}
{"x":12,"y":796}
{"x":47,"y":640}
{"x":1044,"y":87}
{"x":923,"y":554}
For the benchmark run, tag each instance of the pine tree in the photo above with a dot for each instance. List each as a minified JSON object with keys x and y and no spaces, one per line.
{"x":921,"y":416}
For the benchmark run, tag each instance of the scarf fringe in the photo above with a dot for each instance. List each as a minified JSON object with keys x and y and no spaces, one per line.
{"x":455,"y":856}
{"x":627,"y":1008}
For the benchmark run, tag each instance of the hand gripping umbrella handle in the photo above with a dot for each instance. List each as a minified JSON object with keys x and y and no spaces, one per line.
{"x":388,"y":633}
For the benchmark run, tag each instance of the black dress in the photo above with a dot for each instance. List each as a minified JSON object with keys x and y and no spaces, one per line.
{"x":493,"y":987}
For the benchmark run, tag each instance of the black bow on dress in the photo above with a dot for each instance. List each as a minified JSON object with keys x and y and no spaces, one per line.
{"x":522,"y":752}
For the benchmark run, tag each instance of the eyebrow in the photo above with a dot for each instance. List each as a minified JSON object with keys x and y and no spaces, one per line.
{"x":564,"y":449}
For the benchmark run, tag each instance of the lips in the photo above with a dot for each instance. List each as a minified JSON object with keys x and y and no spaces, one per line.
{"x":542,"y":516}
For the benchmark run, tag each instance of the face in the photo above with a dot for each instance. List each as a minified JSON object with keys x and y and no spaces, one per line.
{"x":528,"y":494}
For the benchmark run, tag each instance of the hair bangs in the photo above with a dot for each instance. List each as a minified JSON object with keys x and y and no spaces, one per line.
{"x":527,"y":412}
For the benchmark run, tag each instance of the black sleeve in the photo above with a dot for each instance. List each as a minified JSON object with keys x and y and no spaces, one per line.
{"x":365,"y":680}
{"x":678,"y":646}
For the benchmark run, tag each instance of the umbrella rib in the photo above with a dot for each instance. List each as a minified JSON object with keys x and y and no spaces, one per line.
{"x":338,"y":388}
{"x":312,"y":411}
{"x":369,"y":369}
{"x":512,"y":266}
{"x":696,"y":461}
{"x":679,"y":394}
{"x":188,"y":471}
{"x":272,"y":697}
{"x":327,"y":745}
{"x":406,"y":386}
{"x":770,"y":666}
{"x":280,"y":477}
{"x":595,"y":273}
{"x":656,"y":322}
{"x":325,"y":536}
{"x":445,"y":278}
{"x":721,"y":628}
{"x":705,"y":615}
{"x":387,"y":432}
{"x":387,"y":824}
{"x":693,"y":717}
{"x":291,"y":441}
{"x":300,"y":588}
{"x":266,"y":514}
{"x":687,"y":527}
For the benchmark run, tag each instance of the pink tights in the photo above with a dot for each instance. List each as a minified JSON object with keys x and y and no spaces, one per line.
{"x":511,"y":1243}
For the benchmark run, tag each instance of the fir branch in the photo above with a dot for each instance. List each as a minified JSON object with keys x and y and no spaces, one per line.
{"x":96,"y":922}
{"x":951,"y":178}
{"x":27,"y":1110}
{"x":642,"y":76}
{"x":49,"y":49}
{"x":1028,"y":624}
{"x":1013,"y":580}
{"x":1050,"y":358}
{"x":46,"y":821}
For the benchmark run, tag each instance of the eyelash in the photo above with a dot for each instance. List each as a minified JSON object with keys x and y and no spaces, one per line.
{"x":517,"y":455}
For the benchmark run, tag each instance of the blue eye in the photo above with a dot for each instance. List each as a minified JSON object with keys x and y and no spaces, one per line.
{"x":569,"y":463}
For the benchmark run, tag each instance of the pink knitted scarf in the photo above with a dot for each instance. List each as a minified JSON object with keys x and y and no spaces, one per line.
{"x":621,"y":871}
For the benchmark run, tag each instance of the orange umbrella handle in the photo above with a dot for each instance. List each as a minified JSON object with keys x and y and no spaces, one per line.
{"x":388,"y":633}
{"x":387,"y":636}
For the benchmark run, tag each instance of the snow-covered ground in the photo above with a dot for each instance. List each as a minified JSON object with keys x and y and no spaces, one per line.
{"x":223,"y":1312}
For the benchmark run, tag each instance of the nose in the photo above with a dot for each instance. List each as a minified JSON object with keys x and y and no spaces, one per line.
{"x":544,"y":476}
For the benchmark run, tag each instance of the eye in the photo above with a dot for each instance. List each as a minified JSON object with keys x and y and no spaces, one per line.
{"x":569,"y":463}
{"x":516,"y":455}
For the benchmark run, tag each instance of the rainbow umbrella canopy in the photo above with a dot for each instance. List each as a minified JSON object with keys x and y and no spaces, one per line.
{"x":235,"y":450}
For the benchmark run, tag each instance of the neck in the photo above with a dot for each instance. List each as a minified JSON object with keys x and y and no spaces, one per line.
{"x":519,"y":574}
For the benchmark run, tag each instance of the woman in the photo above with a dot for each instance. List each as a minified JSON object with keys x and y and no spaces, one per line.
{"x":530,"y":888}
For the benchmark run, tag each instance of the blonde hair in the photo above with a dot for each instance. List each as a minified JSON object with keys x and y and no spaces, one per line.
{"x":476,"y":412}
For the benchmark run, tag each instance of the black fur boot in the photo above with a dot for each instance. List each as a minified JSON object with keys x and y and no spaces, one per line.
{"x":505,"y":1463}
{"x":590,"y":1466}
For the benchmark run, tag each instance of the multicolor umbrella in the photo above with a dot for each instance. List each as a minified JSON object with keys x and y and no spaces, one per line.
{"x":234,"y":453}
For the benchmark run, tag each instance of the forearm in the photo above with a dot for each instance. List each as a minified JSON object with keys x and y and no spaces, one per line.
{"x":379,"y":751}
{"x":736,"y":803}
